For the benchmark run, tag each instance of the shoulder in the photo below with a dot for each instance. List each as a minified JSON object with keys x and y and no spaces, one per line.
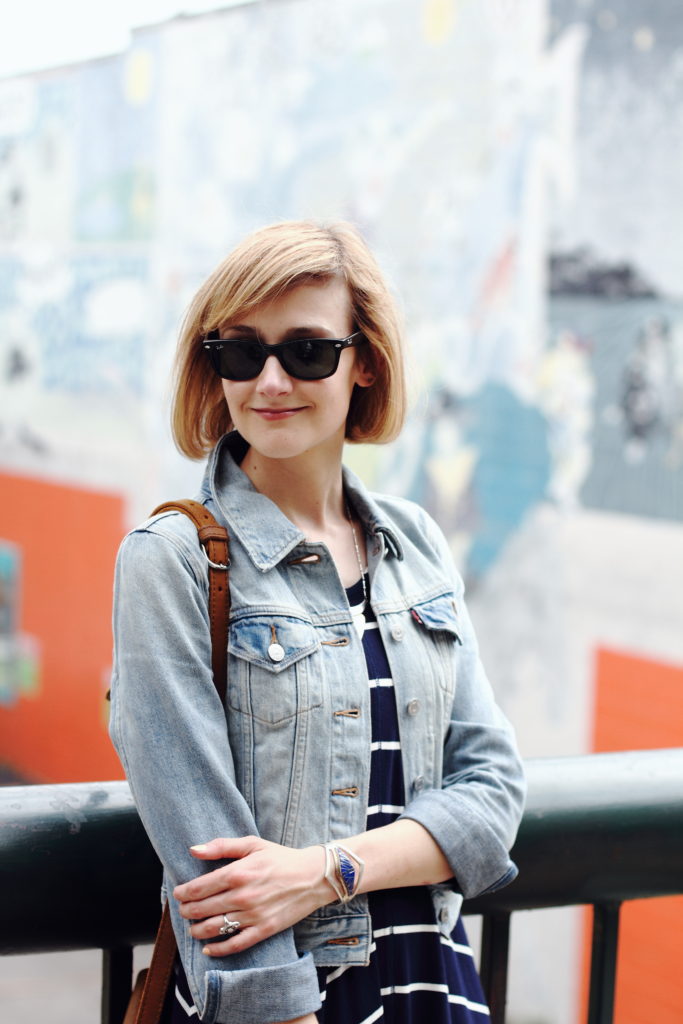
{"x":417,"y":532}
{"x":402,"y":512}
{"x":410,"y":519}
{"x":163,"y":543}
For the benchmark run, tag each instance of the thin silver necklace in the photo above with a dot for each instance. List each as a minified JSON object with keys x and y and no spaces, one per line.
{"x":358,"y":614}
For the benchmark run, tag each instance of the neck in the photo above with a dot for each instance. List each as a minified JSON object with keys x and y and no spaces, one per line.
{"x":307,"y":489}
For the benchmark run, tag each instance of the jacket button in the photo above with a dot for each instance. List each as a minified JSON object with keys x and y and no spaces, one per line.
{"x":419,"y":783}
{"x":397,"y":634}
{"x":413,"y":706}
{"x":443,"y":916}
{"x":276,"y":652}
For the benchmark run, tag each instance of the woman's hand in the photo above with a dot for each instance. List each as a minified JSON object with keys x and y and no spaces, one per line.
{"x":266,"y":889}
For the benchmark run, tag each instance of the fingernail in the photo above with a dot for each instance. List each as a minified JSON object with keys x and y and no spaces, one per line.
{"x":206,"y":951}
{"x":201,"y":847}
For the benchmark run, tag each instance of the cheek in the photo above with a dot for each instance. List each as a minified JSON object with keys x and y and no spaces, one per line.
{"x":231,"y":393}
{"x":226,"y":396}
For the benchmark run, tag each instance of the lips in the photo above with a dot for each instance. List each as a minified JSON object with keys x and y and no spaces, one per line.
{"x":276,"y":414}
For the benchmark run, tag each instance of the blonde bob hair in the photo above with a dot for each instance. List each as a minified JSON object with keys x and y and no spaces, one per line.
{"x":265,"y":265}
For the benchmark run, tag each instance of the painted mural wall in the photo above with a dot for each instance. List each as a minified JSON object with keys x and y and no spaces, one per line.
{"x":515,"y":164}
{"x":616,"y":291}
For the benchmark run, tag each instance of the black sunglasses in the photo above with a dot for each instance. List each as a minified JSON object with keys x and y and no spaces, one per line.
{"x":303,"y":358}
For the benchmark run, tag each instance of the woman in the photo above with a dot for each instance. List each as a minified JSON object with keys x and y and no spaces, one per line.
{"x":358,"y":714}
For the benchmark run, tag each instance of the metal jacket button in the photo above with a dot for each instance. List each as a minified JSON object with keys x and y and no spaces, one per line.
{"x":276,"y":652}
{"x":413,"y":706}
{"x":419,"y":783}
{"x":397,"y":634}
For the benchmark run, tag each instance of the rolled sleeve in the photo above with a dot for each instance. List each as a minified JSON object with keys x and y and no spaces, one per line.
{"x":279,"y":991}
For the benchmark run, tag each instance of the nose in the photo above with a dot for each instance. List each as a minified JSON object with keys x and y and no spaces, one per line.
{"x":273,"y":379}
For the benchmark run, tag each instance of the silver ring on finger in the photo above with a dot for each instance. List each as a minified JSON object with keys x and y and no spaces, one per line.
{"x":229,"y":927}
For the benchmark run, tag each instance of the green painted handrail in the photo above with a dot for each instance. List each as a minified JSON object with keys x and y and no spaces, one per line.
{"x":597,"y":829}
{"x":78,"y":871}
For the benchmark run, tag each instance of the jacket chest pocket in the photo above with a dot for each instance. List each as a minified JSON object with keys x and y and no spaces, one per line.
{"x":436,"y":623}
{"x":270,"y":676}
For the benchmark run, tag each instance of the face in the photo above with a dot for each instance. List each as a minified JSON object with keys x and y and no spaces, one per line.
{"x":280,"y":416}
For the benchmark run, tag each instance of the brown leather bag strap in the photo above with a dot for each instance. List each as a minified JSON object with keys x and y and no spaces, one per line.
{"x":214,"y":540}
{"x":158,"y":978}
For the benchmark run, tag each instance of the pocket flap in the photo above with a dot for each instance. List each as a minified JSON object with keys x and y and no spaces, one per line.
{"x":274,"y":642}
{"x":439,"y":614}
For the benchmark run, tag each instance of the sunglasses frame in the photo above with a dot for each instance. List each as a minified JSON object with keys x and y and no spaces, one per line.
{"x":212,"y":343}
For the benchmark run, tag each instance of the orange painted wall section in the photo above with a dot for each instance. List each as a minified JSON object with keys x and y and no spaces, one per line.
{"x":67,"y":539}
{"x":639,"y":705}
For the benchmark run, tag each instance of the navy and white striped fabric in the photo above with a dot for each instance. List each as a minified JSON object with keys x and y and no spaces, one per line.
{"x":415,"y":973}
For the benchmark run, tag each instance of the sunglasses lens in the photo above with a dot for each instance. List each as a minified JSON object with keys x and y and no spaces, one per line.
{"x":240,"y":359}
{"x":310,"y":358}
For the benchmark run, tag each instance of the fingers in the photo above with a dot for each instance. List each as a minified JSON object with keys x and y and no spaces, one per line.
{"x":214,"y":881}
{"x":218,"y":849}
{"x":203,"y":887}
{"x":195,"y":910}
{"x":221,"y":927}
{"x":244,"y":939}
{"x":265,"y":887}
{"x":209,"y":931}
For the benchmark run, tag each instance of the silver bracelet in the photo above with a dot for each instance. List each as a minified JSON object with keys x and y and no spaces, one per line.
{"x":343,"y":870}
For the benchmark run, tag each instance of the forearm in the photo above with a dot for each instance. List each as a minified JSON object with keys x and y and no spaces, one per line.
{"x":395,"y":856}
{"x":268,"y":887}
{"x":399,"y":855}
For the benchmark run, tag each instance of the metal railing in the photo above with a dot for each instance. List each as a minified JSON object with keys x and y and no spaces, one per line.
{"x":597,"y":830}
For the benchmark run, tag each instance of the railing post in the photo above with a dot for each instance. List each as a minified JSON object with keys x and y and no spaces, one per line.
{"x":495,"y":944}
{"x":117,"y":975}
{"x":603,"y":962}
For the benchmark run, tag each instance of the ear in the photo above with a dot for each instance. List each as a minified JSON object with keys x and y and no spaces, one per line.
{"x":365,"y":375}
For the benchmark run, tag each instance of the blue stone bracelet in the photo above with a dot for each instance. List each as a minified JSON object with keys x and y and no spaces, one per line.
{"x":343,"y":870}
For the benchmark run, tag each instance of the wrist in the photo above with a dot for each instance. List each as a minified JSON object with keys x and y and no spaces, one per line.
{"x":321,"y":890}
{"x":343,"y":870}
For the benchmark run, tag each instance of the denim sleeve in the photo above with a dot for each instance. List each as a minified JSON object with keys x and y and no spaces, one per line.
{"x":474,"y":817}
{"x":168,"y":726}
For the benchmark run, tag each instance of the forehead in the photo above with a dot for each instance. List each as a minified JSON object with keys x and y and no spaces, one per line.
{"x":325,"y":304}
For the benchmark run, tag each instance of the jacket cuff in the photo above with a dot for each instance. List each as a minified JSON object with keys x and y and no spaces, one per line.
{"x":462,"y":835}
{"x":263,"y":995}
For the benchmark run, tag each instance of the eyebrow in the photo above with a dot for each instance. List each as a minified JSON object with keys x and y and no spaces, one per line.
{"x":289,"y":334}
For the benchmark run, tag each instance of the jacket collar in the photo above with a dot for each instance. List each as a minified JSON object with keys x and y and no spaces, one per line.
{"x":259,"y":525}
{"x":373,"y":518}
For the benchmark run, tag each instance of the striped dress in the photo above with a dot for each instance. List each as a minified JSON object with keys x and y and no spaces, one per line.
{"x":415,"y":973}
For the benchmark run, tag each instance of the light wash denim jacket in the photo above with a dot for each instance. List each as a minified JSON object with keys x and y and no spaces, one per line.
{"x":291,"y":766}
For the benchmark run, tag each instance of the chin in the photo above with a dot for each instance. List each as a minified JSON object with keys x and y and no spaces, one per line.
{"x":276,"y":445}
{"x":278,"y":451}
{"x":283,"y":444}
